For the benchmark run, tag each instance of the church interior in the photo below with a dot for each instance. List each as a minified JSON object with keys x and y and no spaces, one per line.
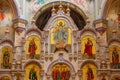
{"x":59,"y":39}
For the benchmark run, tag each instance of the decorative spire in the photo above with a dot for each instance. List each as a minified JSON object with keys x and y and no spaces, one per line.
{"x":68,"y":9}
{"x":33,"y":24}
{"x":60,"y":11}
{"x":53,"y":10}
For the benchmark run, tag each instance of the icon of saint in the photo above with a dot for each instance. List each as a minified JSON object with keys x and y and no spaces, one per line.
{"x":32,"y":48}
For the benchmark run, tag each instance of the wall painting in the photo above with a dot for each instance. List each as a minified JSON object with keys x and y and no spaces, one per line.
{"x":88,"y":47}
{"x":61,"y":72}
{"x":89,"y":72}
{"x":115,"y":57}
{"x":60,"y":36}
{"x":6,"y":57}
{"x":32,"y":72}
{"x":33,"y":47}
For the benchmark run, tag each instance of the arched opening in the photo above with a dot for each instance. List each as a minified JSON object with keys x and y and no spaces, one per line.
{"x":43,"y":15}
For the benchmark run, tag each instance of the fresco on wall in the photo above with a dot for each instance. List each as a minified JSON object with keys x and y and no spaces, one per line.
{"x":60,"y":72}
{"x":32,"y":72}
{"x":88,"y":47}
{"x":6,"y":14}
{"x":89,"y":72}
{"x":6,"y":17}
{"x":115,"y":57}
{"x":33,"y":47}
{"x":60,"y":36}
{"x":6,"y":57}
{"x":5,"y":78}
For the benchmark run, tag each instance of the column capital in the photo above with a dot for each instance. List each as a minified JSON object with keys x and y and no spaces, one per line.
{"x":100,"y":25}
{"x":20,"y":20}
{"x":19,"y":23}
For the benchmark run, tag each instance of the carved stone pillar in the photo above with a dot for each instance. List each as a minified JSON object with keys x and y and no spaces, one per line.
{"x":23,"y":76}
{"x":19,"y":26}
{"x":42,"y":74}
{"x":108,"y":64}
{"x":13,"y":76}
{"x":80,"y":74}
{"x":73,"y":76}
{"x":48,"y":76}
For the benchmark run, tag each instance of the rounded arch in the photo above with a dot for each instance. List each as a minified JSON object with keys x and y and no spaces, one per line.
{"x":6,"y":41}
{"x":57,"y":62}
{"x":108,"y":6}
{"x":113,"y":41}
{"x":45,"y":13}
{"x":34,"y":62}
{"x":5,"y":75}
{"x":65,"y":18}
{"x":57,"y":2}
{"x":15,"y":7}
{"x":89,"y":61}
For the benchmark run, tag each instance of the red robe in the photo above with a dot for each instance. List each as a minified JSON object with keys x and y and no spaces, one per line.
{"x":2,"y":16}
{"x":32,"y":48}
{"x":88,"y":49}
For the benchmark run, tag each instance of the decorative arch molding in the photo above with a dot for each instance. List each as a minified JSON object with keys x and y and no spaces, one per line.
{"x":15,"y":7}
{"x":35,"y":17}
{"x":107,"y":7}
{"x":88,"y":32}
{"x":114,"y":42}
{"x":8,"y":75}
{"x":34,"y":31}
{"x":57,"y":62}
{"x":89,"y":61}
{"x":33,"y":61}
{"x":68,"y":19}
{"x":6,"y":41}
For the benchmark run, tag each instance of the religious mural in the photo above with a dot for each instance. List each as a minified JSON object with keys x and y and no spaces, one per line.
{"x":5,"y":78}
{"x":5,"y":13}
{"x":115,"y":57}
{"x":61,"y":72}
{"x":60,"y":36}
{"x":88,"y":47}
{"x":89,"y":72}
{"x":33,"y":47}
{"x":6,"y":57}
{"x":32,"y":72}
{"x":6,"y":16}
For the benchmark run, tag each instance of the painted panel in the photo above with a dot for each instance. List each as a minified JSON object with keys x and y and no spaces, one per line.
{"x":32,"y":72}
{"x":60,"y":35}
{"x":6,"y":57}
{"x":89,"y":72}
{"x":33,"y":47}
{"x":61,"y":72}
{"x":88,"y":47}
{"x":115,"y":57}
